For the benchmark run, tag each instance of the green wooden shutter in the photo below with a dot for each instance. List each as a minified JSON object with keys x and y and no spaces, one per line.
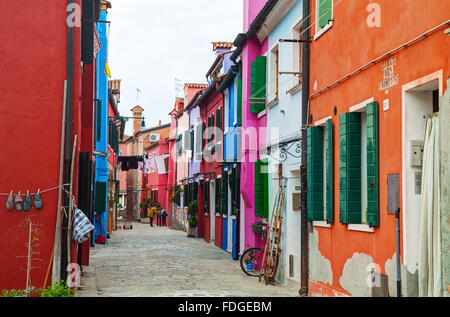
{"x":100,"y":196}
{"x":261,"y":189}
{"x":185,"y":195}
{"x":350,"y":167}
{"x":373,"y":212}
{"x":314,"y":158}
{"x":265,"y":171}
{"x":258,"y":84}
{"x":329,"y":171}
{"x":325,"y":12}
{"x":224,"y":193}
{"x":192,"y":143}
{"x":239,"y":100}
{"x":218,"y":189}
{"x":206,"y":197}
{"x":233,"y":180}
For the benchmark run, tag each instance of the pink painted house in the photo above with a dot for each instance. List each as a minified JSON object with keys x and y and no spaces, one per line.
{"x":252,"y":47}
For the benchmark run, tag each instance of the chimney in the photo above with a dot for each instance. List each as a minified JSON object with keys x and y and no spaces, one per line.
{"x":221,"y":47}
{"x":159,"y":124}
{"x":114,"y":85}
{"x":137,"y":119}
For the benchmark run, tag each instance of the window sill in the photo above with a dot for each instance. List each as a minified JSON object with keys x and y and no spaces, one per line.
{"x":322,"y":224}
{"x":295,"y":89}
{"x":360,"y":227}
{"x":262,"y":113}
{"x":323,"y":30}
{"x":273,"y":103}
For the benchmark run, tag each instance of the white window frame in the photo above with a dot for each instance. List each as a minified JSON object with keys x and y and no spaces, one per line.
{"x":226,"y":112}
{"x":273,"y":74}
{"x":321,"y":31}
{"x":364,"y":227}
{"x":296,"y":62}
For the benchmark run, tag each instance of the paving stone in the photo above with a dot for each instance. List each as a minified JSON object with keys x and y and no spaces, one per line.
{"x":149,"y":262}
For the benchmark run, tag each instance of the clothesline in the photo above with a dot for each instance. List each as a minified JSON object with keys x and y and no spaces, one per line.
{"x":40,"y":192}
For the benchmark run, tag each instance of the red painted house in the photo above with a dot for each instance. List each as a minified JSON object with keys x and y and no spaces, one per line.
{"x":32,"y":90}
{"x":171,"y":176}
{"x":157,"y":179}
{"x":211,"y":109}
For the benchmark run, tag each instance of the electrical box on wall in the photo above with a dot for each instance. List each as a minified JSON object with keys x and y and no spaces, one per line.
{"x":296,"y":201}
{"x":416,"y":153}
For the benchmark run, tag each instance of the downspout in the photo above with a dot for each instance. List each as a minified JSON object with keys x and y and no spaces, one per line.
{"x":305,"y":106}
{"x":68,"y":144}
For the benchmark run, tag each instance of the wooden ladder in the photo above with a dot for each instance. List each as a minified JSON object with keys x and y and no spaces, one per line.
{"x":272,"y":249}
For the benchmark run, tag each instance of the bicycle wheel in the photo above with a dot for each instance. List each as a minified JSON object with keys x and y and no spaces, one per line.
{"x":251,"y":261}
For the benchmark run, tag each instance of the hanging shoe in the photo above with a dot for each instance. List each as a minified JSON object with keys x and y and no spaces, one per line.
{"x":37,"y":200}
{"x":27,"y":202}
{"x":18,"y":201}
{"x":10,"y":202}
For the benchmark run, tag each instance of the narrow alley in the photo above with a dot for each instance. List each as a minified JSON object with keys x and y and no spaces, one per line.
{"x":149,"y":262}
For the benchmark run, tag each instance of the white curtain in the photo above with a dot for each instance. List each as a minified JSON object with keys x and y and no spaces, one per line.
{"x":429,"y":227}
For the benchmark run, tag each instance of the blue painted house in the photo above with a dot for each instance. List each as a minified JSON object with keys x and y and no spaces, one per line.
{"x":284,"y":101}
{"x":231,"y":87}
{"x":101,"y":133}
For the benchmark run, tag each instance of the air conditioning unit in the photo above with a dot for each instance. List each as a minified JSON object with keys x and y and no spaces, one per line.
{"x":154,"y":137}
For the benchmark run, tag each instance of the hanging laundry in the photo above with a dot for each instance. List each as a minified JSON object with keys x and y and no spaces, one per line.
{"x":10,"y":202}
{"x":161,"y":165}
{"x":82,"y":227}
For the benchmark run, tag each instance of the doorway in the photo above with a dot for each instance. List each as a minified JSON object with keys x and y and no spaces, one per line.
{"x":212,"y":204}
{"x":420,"y":100}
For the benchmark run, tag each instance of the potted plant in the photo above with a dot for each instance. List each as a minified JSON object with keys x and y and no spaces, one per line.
{"x":259,"y":228}
{"x":192,"y":212}
{"x":144,"y":206}
{"x":249,"y":260}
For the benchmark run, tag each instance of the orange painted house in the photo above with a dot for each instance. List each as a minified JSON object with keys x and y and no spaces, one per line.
{"x":376,"y":69}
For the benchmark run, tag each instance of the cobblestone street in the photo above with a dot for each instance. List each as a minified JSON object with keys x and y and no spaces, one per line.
{"x":148,"y":262}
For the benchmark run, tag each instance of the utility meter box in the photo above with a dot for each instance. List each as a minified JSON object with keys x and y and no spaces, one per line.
{"x":416,"y":153}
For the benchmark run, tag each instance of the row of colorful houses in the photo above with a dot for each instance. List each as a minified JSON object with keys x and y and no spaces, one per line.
{"x":342,"y":102}
{"x":60,"y":120}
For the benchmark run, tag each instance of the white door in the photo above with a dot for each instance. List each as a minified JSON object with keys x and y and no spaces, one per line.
{"x":212,"y":214}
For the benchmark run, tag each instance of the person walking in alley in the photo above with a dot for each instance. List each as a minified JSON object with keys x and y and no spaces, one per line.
{"x":163,"y":218}
{"x":159,"y":209}
{"x":151,"y":214}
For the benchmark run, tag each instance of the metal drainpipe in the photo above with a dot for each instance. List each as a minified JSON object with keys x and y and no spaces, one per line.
{"x":305,"y":102}
{"x":68,"y":144}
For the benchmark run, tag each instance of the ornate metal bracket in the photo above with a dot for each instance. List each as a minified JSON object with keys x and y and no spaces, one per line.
{"x":291,"y":148}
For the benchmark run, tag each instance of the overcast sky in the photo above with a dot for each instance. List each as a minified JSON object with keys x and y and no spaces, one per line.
{"x":153,"y":42}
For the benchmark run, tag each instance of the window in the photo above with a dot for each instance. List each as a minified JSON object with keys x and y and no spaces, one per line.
{"x":274,"y":74}
{"x":226,"y":111}
{"x":359,"y":181}
{"x":258,"y":85}
{"x":324,"y":16}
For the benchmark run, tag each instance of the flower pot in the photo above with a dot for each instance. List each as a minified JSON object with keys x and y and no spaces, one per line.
{"x":250,"y":266}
